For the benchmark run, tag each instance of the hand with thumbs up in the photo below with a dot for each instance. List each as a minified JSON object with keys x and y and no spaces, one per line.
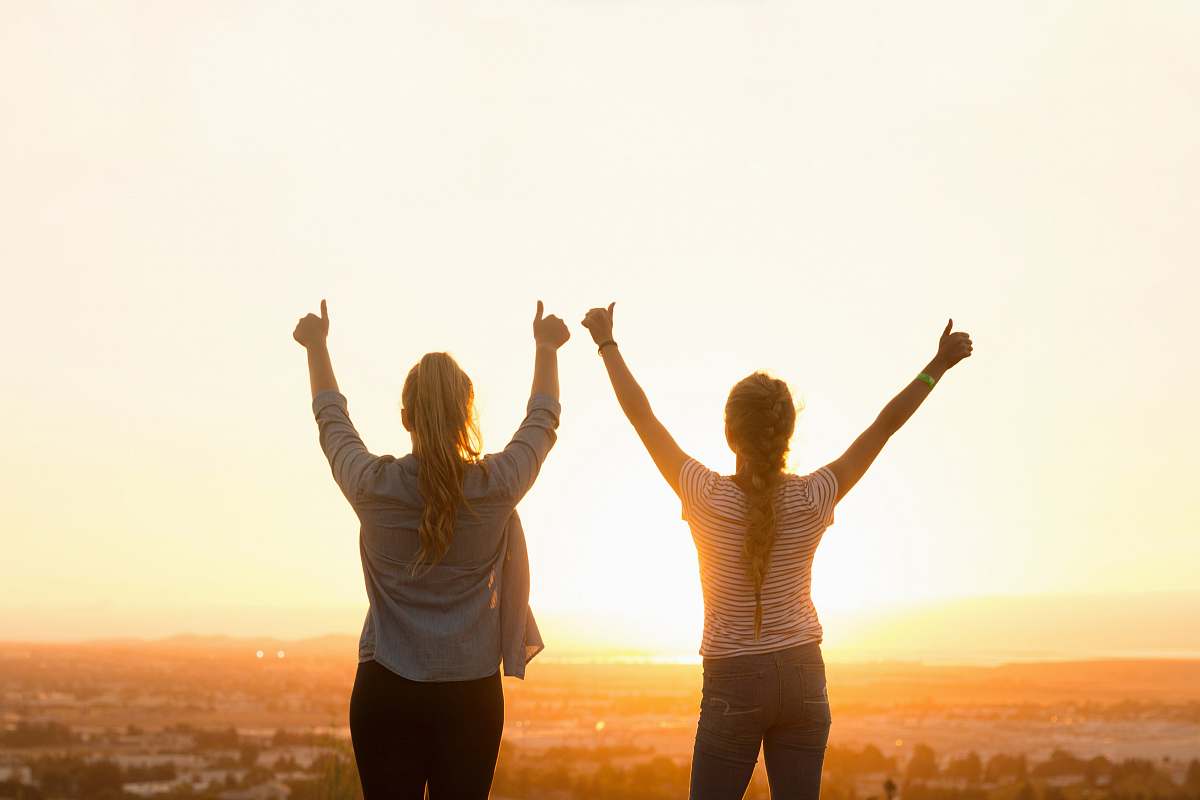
{"x":952,"y":347}
{"x":311,"y":329}
{"x":599,"y":322}
{"x":549,"y":331}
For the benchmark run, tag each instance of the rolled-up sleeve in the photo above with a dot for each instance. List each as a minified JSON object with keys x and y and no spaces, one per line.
{"x":516,"y":466}
{"x":348,"y":456}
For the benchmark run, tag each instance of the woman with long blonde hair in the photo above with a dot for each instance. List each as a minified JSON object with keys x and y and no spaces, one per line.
{"x":755,"y":533}
{"x":445,"y":566}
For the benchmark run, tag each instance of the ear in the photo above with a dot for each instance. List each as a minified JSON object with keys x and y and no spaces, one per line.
{"x":405,"y":420}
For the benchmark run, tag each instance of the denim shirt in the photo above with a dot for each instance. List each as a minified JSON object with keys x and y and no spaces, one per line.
{"x":470,"y":612}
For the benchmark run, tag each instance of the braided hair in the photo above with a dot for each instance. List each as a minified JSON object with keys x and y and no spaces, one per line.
{"x":759,"y":420}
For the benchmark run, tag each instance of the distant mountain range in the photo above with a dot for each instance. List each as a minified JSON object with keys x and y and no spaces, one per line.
{"x":964,"y":631}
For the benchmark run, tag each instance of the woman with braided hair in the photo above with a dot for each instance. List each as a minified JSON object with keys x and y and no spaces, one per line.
{"x":756,"y":532}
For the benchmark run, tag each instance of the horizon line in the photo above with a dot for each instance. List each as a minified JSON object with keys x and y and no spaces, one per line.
{"x":635,"y":657}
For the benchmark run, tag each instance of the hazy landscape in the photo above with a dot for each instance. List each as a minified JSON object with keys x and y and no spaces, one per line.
{"x":245,"y":718}
{"x":1009,"y":599}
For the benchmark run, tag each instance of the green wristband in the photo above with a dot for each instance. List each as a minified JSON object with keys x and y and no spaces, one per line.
{"x":925,"y":377}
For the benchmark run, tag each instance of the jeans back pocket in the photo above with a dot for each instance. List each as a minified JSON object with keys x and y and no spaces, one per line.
{"x":732,"y":703}
{"x":814,"y":694}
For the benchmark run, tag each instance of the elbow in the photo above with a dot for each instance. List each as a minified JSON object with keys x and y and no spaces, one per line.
{"x":639,"y":413}
{"x":887,"y":424}
{"x":641,"y":422}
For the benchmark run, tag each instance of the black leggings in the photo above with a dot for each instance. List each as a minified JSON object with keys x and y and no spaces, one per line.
{"x":407,"y":734}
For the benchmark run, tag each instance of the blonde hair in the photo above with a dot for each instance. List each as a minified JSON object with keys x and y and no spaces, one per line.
{"x":759,"y":420}
{"x":440,"y":401}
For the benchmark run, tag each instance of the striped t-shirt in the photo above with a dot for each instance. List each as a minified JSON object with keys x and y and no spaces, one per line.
{"x":715,"y":509}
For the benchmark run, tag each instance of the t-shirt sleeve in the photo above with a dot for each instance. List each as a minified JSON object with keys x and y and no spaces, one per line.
{"x":695,"y":484}
{"x":822,"y":493}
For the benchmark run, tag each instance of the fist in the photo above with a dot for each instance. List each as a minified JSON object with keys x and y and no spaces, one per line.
{"x":953,"y":347}
{"x":599,"y":322}
{"x":549,"y":331}
{"x":311,"y":329}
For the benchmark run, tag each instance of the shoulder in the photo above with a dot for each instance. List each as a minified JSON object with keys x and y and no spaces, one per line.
{"x":820,"y":484}
{"x":708,"y":493}
{"x":697,"y":480}
{"x":814,"y":492}
{"x":389,"y":477}
{"x":694,"y":472}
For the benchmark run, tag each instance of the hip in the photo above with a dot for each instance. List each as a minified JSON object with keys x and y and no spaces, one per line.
{"x":761,"y":690}
{"x":378,"y":689}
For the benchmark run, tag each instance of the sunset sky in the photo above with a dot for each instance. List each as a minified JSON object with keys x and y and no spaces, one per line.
{"x":800,"y":188}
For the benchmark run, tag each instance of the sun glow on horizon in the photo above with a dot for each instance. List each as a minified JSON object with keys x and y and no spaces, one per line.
{"x":180,"y":185}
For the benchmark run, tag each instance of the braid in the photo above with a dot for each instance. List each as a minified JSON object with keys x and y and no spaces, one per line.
{"x":760,"y":418}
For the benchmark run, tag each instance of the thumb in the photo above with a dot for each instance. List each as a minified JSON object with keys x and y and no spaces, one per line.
{"x":610,"y":310}
{"x":949,"y":325}
{"x":324,"y":311}
{"x":538,"y":316}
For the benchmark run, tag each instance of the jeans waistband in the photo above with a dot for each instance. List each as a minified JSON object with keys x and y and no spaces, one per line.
{"x":808,"y":653}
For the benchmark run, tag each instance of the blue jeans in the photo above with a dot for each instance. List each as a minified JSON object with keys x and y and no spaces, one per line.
{"x":776,"y":701}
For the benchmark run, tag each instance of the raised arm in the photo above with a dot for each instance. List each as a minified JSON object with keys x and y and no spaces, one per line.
{"x":348,"y":457}
{"x":313,"y":332}
{"x":853,"y":464}
{"x":667,"y":455}
{"x":517,"y":465}
{"x":549,"y":334}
